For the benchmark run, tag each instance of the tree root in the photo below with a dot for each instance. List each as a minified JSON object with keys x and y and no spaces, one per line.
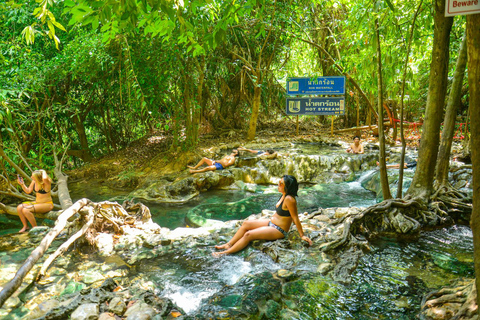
{"x":13,"y":284}
{"x":90,"y":219}
{"x":451,"y":303}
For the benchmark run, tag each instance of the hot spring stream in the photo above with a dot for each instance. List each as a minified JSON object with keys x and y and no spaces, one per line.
{"x":388,"y":283}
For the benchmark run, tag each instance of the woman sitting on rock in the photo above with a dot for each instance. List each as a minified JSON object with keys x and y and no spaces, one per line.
{"x":42,"y":185}
{"x":276,"y":228}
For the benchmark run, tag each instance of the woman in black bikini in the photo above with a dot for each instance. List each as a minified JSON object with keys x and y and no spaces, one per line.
{"x":276,"y":228}
{"x":42,"y":185}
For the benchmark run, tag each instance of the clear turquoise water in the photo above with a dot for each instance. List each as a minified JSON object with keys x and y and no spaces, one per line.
{"x":388,"y":284}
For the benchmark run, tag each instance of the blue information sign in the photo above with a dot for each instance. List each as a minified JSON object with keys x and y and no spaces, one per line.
{"x":320,"y":85}
{"x":316,"y":106}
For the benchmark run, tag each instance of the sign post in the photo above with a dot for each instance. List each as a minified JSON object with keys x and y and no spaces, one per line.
{"x":315,"y":105}
{"x":461,"y":7}
{"x":320,"y":85}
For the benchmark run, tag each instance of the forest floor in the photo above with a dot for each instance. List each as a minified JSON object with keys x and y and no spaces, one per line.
{"x":156,"y":149}
{"x":154,"y":155}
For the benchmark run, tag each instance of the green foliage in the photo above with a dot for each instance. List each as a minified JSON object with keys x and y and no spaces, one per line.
{"x":93,"y":76}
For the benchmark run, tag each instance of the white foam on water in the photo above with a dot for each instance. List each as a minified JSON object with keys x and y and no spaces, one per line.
{"x":366,"y":175}
{"x":232,"y":269}
{"x":188,"y":299}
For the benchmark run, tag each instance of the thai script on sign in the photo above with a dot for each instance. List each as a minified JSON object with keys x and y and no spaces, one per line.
{"x":324,"y":81}
{"x":327,"y":103}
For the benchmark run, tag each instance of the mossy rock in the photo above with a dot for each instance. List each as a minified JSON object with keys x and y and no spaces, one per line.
{"x":231,"y":301}
{"x":273,"y":309}
{"x":73,"y":287}
{"x":294,"y":290}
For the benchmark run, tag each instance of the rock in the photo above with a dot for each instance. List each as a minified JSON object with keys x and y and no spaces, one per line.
{"x":460,"y":184}
{"x":43,"y":308}
{"x":91,"y":276}
{"x":87,"y":311}
{"x":323,"y":268}
{"x":288,"y":314}
{"x":285,"y":274}
{"x":295,"y":290}
{"x":140,"y":311}
{"x":106,"y":316}
{"x":117,"y":306}
{"x":38,"y":230}
{"x":341,"y":212}
{"x":152,"y":240}
{"x":12,"y":302}
{"x":104,"y":243}
{"x":231,"y":301}
{"x":273,"y":309}
{"x":129,"y":241}
{"x":322,"y":218}
{"x":72,"y":287}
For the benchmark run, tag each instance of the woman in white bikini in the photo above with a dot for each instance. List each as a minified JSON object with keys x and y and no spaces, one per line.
{"x":273,"y":229}
{"x":42,"y":185}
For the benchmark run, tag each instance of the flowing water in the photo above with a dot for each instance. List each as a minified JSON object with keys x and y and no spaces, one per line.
{"x":388,"y":283}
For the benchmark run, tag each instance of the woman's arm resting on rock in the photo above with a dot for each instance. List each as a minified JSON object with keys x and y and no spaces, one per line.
{"x":291,"y":204}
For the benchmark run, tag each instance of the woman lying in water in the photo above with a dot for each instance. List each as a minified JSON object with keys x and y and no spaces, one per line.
{"x":276,"y":228}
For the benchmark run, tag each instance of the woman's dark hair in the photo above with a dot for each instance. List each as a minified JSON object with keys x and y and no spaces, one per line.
{"x":270,"y":151}
{"x":356,"y":137}
{"x":291,"y":185}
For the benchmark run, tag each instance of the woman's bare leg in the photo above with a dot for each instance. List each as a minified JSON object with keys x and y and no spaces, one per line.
{"x":29,"y":211}
{"x":246,"y":226}
{"x":261,"y":233}
{"x":22,"y":218}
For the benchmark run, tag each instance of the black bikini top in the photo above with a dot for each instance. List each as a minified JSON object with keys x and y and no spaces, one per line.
{"x":281,"y":212}
{"x":42,"y":191}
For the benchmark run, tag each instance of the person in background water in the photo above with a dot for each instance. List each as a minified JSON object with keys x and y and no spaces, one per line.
{"x":356,"y":146}
{"x":213,"y":165}
{"x":42,"y":185}
{"x":273,"y":229}
{"x":269,"y":153}
{"x":406,"y":165}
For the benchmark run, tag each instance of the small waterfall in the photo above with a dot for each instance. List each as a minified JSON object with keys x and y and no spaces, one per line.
{"x":366,"y":175}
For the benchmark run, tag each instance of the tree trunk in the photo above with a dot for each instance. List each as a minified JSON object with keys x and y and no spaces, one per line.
{"x":473,"y":48}
{"x":85,"y":152}
{"x":10,"y":287}
{"x":381,"y":133}
{"x":25,"y":176}
{"x":252,"y":127}
{"x":422,"y":184}
{"x":404,"y":79}
{"x":63,"y":193}
{"x":451,"y":115}
{"x":199,"y":100}
{"x":4,"y":209}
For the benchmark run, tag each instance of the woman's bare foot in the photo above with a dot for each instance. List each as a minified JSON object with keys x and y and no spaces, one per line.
{"x":24,"y":229}
{"x":218,"y":254}
{"x":191,"y":167}
{"x":225,"y":246}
